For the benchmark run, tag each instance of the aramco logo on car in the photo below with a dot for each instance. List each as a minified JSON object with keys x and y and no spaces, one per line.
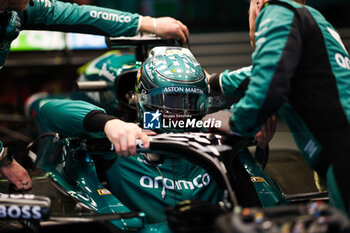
{"x":154,"y":120}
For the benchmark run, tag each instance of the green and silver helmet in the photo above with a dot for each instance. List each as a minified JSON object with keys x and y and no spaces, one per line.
{"x":172,"y":82}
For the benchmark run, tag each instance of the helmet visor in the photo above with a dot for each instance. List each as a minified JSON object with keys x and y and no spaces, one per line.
{"x":176,"y":99}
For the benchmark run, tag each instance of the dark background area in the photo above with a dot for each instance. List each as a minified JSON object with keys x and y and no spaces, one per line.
{"x":218,"y":15}
{"x":55,"y":70}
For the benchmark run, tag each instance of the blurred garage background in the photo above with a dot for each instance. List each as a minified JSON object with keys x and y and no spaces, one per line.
{"x":219,"y":39}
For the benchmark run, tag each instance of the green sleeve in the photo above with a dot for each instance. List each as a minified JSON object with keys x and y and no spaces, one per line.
{"x":234,"y":83}
{"x":275,"y":58}
{"x":67,"y":116}
{"x":67,"y":17}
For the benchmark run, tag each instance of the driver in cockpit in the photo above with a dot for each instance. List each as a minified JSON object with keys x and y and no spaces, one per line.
{"x":171,"y":86}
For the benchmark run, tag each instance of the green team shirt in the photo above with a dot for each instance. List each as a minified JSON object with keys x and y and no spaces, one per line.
{"x":137,"y":183}
{"x":234,"y":83}
{"x":300,"y":69}
{"x":66,"y":17}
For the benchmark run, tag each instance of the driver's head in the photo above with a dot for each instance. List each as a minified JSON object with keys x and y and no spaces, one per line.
{"x":254,"y":10}
{"x":16,"y":5}
{"x":172,"y":82}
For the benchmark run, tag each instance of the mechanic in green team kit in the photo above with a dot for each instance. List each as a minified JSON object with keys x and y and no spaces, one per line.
{"x":301,"y":70}
{"x":16,"y":15}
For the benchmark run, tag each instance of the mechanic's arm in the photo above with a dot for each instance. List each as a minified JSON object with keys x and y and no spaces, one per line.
{"x":275,"y":59}
{"x":13,"y":171}
{"x":231,"y":83}
{"x":67,"y":17}
{"x":80,"y":118}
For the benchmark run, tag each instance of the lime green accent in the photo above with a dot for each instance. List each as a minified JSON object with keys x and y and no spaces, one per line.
{"x":83,"y":68}
{"x":334,"y":193}
{"x":292,"y":3}
{"x":39,"y":40}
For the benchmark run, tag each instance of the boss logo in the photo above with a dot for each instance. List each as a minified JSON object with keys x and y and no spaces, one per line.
{"x":28,"y":206}
{"x":17,"y":196}
{"x":20,"y":212}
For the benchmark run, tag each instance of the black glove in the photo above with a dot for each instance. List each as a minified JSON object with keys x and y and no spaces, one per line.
{"x":10,"y":25}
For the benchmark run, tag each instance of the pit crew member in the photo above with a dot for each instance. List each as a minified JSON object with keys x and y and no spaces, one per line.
{"x":301,"y":70}
{"x":16,"y":15}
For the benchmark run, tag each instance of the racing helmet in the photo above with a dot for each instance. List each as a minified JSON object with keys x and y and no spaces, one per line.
{"x":173,"y":83}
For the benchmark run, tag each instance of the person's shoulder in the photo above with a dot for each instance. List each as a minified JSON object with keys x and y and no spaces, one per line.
{"x":282,"y":5}
{"x":277,"y":11}
{"x":291,"y":3}
{"x":313,"y":11}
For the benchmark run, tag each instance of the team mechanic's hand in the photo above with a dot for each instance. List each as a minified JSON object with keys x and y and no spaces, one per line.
{"x":264,"y":136}
{"x":223,"y":116}
{"x":166,"y":27}
{"x":17,"y":175}
{"x":123,"y":135}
